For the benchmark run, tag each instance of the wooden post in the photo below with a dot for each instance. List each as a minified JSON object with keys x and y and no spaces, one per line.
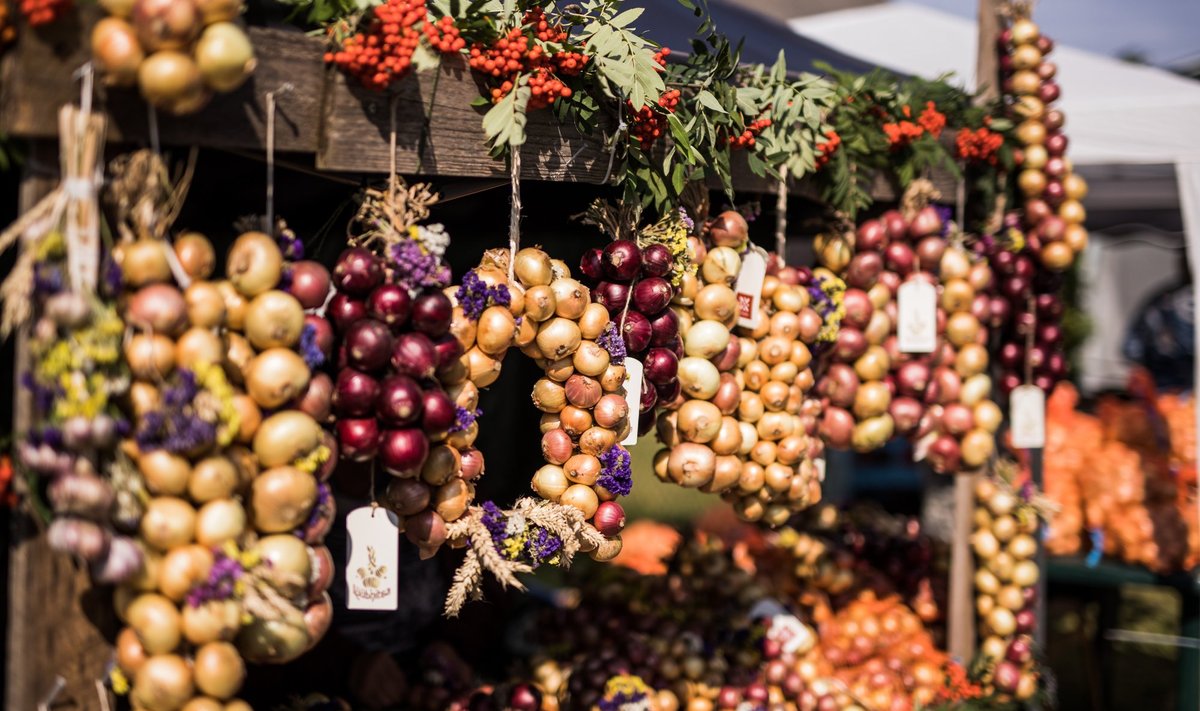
{"x":961,"y":615}
{"x":53,"y":608}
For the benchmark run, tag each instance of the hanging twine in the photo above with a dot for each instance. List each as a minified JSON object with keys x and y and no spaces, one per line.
{"x":781,"y":201}
{"x":1030,"y":305}
{"x":514,"y":218}
{"x":269,"y":218}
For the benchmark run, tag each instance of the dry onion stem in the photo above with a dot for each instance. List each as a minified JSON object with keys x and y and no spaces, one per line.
{"x":919,"y":193}
{"x":263,"y":600}
{"x":144,"y":199}
{"x":565,"y":522}
{"x":387,"y":214}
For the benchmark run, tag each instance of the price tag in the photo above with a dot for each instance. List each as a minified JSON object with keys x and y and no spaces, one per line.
{"x":1027,"y":413}
{"x":633,"y":396}
{"x":372,"y":560}
{"x":749,"y":288}
{"x":916,"y":319}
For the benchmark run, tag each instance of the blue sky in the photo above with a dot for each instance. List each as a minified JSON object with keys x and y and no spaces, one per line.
{"x":1166,"y":32}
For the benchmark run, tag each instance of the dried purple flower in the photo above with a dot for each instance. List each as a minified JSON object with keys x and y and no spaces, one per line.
{"x":313,"y":356}
{"x":616,"y":472}
{"x":612,"y":342}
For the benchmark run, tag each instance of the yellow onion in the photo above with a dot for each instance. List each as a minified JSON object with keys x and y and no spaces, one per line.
{"x":218,"y":669}
{"x":164,"y":683}
{"x":285,"y":437}
{"x":170,"y":81}
{"x":116,"y":50}
{"x":182,"y":568}
{"x":272,"y":641}
{"x":155,"y":619}
{"x":274,"y":319}
{"x":164,"y":473}
{"x":224,"y":56}
{"x":212,"y":621}
{"x":281,"y":498}
{"x":168,"y":522}
{"x":199,"y":346}
{"x":276,"y":376}
{"x":254,"y":264}
{"x":150,"y":356}
{"x":205,"y":305}
{"x":581,"y":497}
{"x":219,"y":521}
{"x":289,"y":563}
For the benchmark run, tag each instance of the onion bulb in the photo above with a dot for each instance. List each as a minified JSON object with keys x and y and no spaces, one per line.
{"x":224,"y":56}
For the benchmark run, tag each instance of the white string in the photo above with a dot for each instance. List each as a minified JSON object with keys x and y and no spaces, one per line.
{"x":514,"y":218}
{"x":269,"y":218}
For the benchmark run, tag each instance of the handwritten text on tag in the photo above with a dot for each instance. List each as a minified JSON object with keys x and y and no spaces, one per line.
{"x":372,"y":560}
{"x":916,"y":320}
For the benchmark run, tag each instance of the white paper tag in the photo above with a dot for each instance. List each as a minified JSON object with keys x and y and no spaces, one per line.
{"x":916,"y":320}
{"x":792,"y":635}
{"x":749,"y":288}
{"x":1027,"y":413}
{"x":372,"y":559}
{"x":633,"y":396}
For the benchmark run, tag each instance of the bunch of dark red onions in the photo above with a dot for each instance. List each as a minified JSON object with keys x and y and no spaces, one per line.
{"x":1005,"y":545}
{"x":1053,"y":214}
{"x":940,"y":400}
{"x":390,"y":404}
{"x":636,"y":283}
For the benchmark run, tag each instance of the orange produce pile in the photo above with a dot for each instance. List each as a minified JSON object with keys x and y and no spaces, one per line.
{"x":1124,"y":477}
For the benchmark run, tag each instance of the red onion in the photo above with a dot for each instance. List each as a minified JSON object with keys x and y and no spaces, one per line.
{"x":1043,"y":382}
{"x":664,"y":329}
{"x":858,"y":308}
{"x":957,"y":418}
{"x":661,"y":366}
{"x":1012,"y":355}
{"x":1004,"y":260}
{"x":609,"y":518}
{"x":1009,"y":381}
{"x":1015,"y":287}
{"x":525,"y":697}
{"x":403,"y":452}
{"x":368,"y":344}
{"x":945,"y":387}
{"x":944,"y":454}
{"x":310,"y":283}
{"x":871,"y":237}
{"x":912,"y":379}
{"x":729,"y":229}
{"x":449,"y":349}
{"x":667,"y":392}
{"x":636,"y":331}
{"x":345,"y":310}
{"x":652,"y":294}
{"x":431,"y":313}
{"x":1050,"y":334}
{"x":317,"y":397}
{"x":930,"y":251}
{"x":926,"y":222}
{"x":1049,"y":306}
{"x":728,"y":358}
{"x":1056,"y":143}
{"x":891,"y":280}
{"x":1036,"y":210}
{"x":840,"y":385}
{"x":906,"y":412}
{"x":1007,"y":676}
{"x":1049,"y":92}
{"x":894,"y":225}
{"x":998,"y":311}
{"x":391,"y":304}
{"x":649,"y":397}
{"x":414,"y":354}
{"x":981,"y":308}
{"x":1056,"y":365}
{"x":399,"y":401}
{"x":656,"y":260}
{"x":1054,"y":119}
{"x":864,"y":269}
{"x":899,"y":258}
{"x":437,"y":411}
{"x":358,"y":438}
{"x":850,"y":344}
{"x":355,"y":393}
{"x":1020,"y":650}
{"x":837,"y":425}
{"x":472,"y":463}
{"x":357,"y":271}
{"x":621,"y":260}
{"x":591,"y":264}
{"x":611,"y":296}
{"x":1055,"y":193}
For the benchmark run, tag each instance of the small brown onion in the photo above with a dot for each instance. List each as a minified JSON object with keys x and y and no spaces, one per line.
{"x":557,"y":446}
{"x":254,"y":264}
{"x":281,"y":498}
{"x":276,"y":376}
{"x":532,"y":267}
{"x":168,"y":522}
{"x":441,"y":465}
{"x":495,"y":331}
{"x":582,"y":391}
{"x":613,"y":378}
{"x":691,"y":465}
{"x":774,"y":395}
{"x":407,"y":497}
{"x":156,"y":621}
{"x":581,"y":497}
{"x":150,"y":356}
{"x":219,"y":521}
{"x":549,"y":396}
{"x":721,"y":265}
{"x":164,"y":473}
{"x":483,"y":370}
{"x":750,"y":408}
{"x":164,"y":683}
{"x":130,"y":654}
{"x":540,"y":303}
{"x":558,"y":337}
{"x":575,"y":420}
{"x":550,"y":482}
{"x":143,"y":261}
{"x":182,"y":568}
{"x":582,"y":469}
{"x":715,"y":302}
{"x":611,"y":410}
{"x":117,"y":51}
{"x":728,"y":439}
{"x":451,"y":499}
{"x":764,"y":452}
{"x":219,"y":669}
{"x":590,"y":359}
{"x":972,"y":359}
{"x":593,"y":321}
{"x":198,"y":346}
{"x":597,"y":440}
{"x":205,"y":305}
{"x":726,"y":473}
{"x":570,"y":297}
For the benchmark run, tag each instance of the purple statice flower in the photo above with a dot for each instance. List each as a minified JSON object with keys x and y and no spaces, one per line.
{"x":43,"y":395}
{"x":464,"y":418}
{"x":322,"y":507}
{"x":541,"y":545}
{"x":612,"y":342}
{"x":114,"y":278}
{"x":221,"y":582}
{"x":946,"y":213}
{"x":291,"y":245}
{"x":687,"y":221}
{"x":285,"y":277}
{"x":47,"y":279}
{"x":183,"y":391}
{"x":416,"y":268}
{"x":496,"y":523}
{"x":616,"y":473}
{"x":474,"y":296}
{"x":175,"y":427}
{"x":313,"y":357}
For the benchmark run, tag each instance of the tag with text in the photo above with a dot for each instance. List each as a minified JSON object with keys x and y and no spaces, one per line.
{"x":372,"y":559}
{"x":1027,"y":413}
{"x":749,"y":288}
{"x":916,"y":319}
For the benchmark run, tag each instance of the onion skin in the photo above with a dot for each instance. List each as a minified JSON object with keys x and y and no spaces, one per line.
{"x":224,"y":56}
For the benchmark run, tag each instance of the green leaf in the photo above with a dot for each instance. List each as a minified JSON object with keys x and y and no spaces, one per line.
{"x":504,"y":124}
{"x":708,"y":101}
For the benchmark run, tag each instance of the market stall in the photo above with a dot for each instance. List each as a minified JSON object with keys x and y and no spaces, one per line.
{"x":451,"y":195}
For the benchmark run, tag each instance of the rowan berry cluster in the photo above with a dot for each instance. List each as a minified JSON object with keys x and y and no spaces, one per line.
{"x":382,"y":52}
{"x":826,"y":150}
{"x":648,"y":124}
{"x":747,"y":138}
{"x":978,"y":146}
{"x":532,"y":48}
{"x":42,"y":12}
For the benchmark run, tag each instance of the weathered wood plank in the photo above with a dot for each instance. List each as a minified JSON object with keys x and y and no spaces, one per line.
{"x":38,"y":81}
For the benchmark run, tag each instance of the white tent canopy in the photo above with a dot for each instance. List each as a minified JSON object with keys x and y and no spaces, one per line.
{"x":1133,"y":134}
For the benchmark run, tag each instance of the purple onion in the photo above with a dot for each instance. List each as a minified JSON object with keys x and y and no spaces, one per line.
{"x":621,"y":260}
{"x":390,"y":304}
{"x":368,"y":344}
{"x":661,"y":366}
{"x":403,"y":452}
{"x":355,"y":393}
{"x":400,"y":400}
{"x":431,"y":313}
{"x":636,"y":331}
{"x":345,"y":310}
{"x":592,"y":265}
{"x":657,"y":261}
{"x":611,"y":296}
{"x":439,"y":413}
{"x":357,"y":271}
{"x":414,"y":354}
{"x":652,"y":294}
